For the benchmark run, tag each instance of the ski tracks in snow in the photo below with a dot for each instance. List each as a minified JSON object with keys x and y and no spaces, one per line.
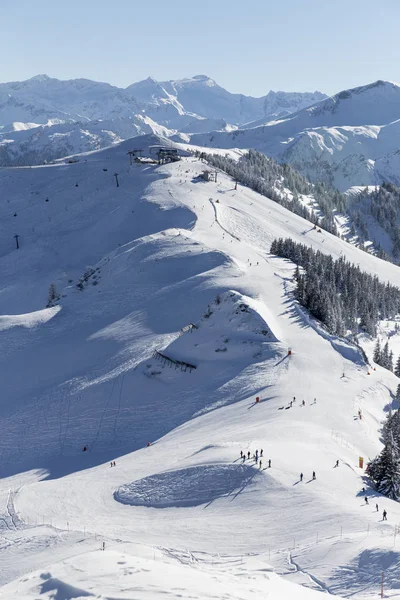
{"x":16,"y":521}
{"x":219,"y":222}
{"x":321,"y":586}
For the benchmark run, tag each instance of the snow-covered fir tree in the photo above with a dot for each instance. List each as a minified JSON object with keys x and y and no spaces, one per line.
{"x":385,"y":469}
{"x":397,"y":368}
{"x":383,"y":204}
{"x":377,"y":353}
{"x":340,"y":295}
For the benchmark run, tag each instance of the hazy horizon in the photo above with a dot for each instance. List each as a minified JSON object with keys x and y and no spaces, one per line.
{"x":289,"y":46}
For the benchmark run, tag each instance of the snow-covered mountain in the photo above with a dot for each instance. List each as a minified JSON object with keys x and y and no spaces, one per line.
{"x":188,"y":106}
{"x":348,"y":139}
{"x":203,"y":96}
{"x":42,"y":98}
{"x":167,"y":319}
{"x":46,"y":143}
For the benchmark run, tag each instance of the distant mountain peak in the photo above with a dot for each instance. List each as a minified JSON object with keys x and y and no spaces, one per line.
{"x":41,"y":78}
{"x":362,"y":89}
{"x":203,"y":78}
{"x":196,"y":79}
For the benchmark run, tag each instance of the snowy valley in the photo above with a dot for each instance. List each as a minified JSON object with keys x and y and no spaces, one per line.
{"x":171,"y":343}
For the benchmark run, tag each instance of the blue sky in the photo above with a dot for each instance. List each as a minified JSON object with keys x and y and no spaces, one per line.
{"x":249,"y":47}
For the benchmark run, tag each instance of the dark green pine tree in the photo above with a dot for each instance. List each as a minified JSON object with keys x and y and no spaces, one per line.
{"x":389,"y":475}
{"x":385,"y":356}
{"x":377,"y":353}
{"x":397,"y":368}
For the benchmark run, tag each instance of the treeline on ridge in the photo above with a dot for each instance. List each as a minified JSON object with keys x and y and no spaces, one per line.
{"x":269,"y":178}
{"x":284,"y":185}
{"x":338,"y":293}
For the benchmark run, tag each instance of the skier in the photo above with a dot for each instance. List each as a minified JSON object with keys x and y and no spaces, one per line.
{"x":244,"y":457}
{"x":294,"y":398}
{"x":256,"y":455}
{"x":84,"y":448}
{"x":303,"y":403}
{"x":384,"y":514}
{"x":114,"y":465}
{"x":148,"y":444}
{"x":377,"y":508}
{"x":291,"y":403}
{"x":261,"y":453}
{"x":313,"y":475}
{"x":337,"y":462}
{"x":269,"y":463}
{"x":241,"y":454}
{"x":260,"y":464}
{"x":248,"y":455}
{"x":366,"y":500}
{"x":111,"y":464}
{"x":301,"y":476}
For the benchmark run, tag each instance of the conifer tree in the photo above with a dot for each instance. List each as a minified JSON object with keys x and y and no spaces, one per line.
{"x":389,"y":475}
{"x":385,"y":356}
{"x":397,"y":369}
{"x":377,"y":353}
{"x":340,"y":295}
{"x":54,"y":296}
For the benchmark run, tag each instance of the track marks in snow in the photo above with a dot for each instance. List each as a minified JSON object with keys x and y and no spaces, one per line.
{"x":192,"y":486}
{"x":319,"y":584}
{"x":219,"y":223}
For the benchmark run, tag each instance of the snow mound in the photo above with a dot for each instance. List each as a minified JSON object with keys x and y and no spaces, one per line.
{"x":29,"y":320}
{"x":186,"y":487}
{"x":233,"y":326}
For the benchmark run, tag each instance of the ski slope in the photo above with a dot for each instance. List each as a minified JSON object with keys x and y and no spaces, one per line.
{"x":171,"y":264}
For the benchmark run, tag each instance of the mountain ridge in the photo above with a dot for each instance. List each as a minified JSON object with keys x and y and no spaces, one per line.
{"x":189,"y":105}
{"x":355,"y":126}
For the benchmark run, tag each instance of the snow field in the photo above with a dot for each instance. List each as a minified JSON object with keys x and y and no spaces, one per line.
{"x":122,"y":574}
{"x":87,"y":376}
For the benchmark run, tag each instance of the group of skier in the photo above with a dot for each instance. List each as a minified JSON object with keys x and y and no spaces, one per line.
{"x":384,"y":513}
{"x":302,"y":403}
{"x":255,"y":457}
{"x":314,"y":476}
